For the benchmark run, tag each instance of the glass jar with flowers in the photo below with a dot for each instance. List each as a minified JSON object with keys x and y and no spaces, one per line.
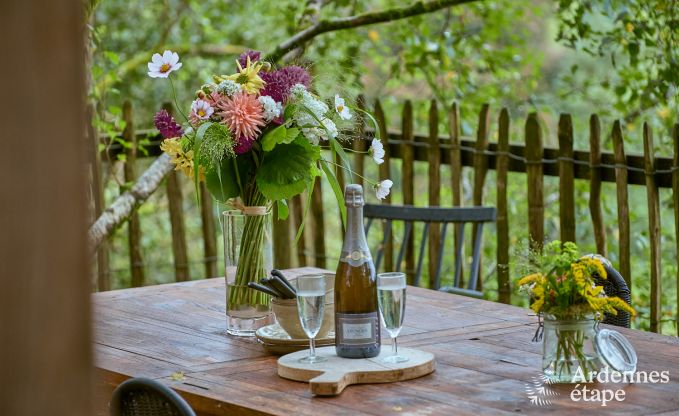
{"x":565,"y":295}
{"x":258,"y":137}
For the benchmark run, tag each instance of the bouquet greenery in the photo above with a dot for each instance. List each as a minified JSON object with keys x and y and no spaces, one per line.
{"x":256,"y":137}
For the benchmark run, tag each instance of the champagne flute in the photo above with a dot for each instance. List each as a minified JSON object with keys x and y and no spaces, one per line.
{"x":391,"y":296}
{"x":310,"y":308}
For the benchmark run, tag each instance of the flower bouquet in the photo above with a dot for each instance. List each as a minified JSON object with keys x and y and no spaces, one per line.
{"x":257,"y":137}
{"x":564,"y":292}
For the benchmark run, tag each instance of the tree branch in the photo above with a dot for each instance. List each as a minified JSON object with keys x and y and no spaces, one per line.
{"x":126,"y":203}
{"x":364,"y":19}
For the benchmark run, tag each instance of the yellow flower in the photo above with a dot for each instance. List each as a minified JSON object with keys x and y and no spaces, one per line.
{"x":529,"y":279}
{"x":248,"y":77}
{"x":182,"y":160}
{"x":373,"y":35}
{"x":629,"y":27}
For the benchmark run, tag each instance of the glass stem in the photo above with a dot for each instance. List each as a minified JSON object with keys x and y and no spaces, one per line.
{"x":312,"y":349}
{"x":394,"y":346}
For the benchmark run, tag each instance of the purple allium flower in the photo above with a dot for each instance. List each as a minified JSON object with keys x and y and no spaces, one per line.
{"x":243,"y":145}
{"x":279,"y":82}
{"x":165,"y":123}
{"x":254,"y":57}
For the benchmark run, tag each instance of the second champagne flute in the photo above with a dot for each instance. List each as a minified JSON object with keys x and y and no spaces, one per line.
{"x":391,"y":295}
{"x":310,"y":307}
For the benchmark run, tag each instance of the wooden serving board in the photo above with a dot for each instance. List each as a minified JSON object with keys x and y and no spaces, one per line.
{"x":329,"y":378}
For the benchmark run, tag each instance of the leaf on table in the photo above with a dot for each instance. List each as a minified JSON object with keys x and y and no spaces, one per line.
{"x":177,"y":376}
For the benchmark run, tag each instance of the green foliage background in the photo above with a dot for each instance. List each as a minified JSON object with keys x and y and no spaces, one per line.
{"x":614,"y":58}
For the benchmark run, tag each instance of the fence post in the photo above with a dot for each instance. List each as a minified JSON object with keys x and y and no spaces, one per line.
{"x":282,"y":250}
{"x":298,"y":216}
{"x":317,"y":225}
{"x":385,"y":172}
{"x":536,"y":202}
{"x":407,"y":181}
{"x":675,"y":198}
{"x":434,"y":159}
{"x":456,"y":180}
{"x":623,"y":204}
{"x":133,"y":226}
{"x":566,"y":179}
{"x":502,"y":165}
{"x":176,"y":208}
{"x":103,"y":281}
{"x":653,"y":227}
{"x":209,"y":235}
{"x":480,"y":170}
{"x":595,"y":185}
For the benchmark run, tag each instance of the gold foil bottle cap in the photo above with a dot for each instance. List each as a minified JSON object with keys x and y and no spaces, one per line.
{"x":353,"y":195}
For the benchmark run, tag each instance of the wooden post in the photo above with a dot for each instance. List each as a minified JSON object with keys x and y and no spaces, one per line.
{"x":675,"y":199}
{"x":434,"y":154}
{"x":536,"y":201}
{"x":298,"y":215}
{"x":624,"y":267}
{"x":566,"y":179}
{"x":653,"y":227}
{"x":209,"y":234}
{"x":133,"y":225}
{"x":361,"y":143}
{"x":595,"y":185}
{"x":103,"y":277}
{"x":502,"y":165}
{"x":456,"y":179}
{"x":385,"y":172}
{"x":317,"y":225}
{"x":46,"y":350}
{"x":480,"y":170}
{"x":407,"y":181}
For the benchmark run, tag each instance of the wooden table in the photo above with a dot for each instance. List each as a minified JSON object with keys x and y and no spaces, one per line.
{"x":485,"y":359}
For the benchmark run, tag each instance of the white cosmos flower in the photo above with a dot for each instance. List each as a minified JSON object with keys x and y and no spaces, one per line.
{"x":377,"y":151}
{"x":341,"y":108}
{"x":202,"y":109}
{"x":161,"y":65}
{"x":382,"y":189}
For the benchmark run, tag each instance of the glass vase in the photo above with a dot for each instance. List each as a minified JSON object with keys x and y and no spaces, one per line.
{"x":569,"y":353}
{"x":248,"y":257}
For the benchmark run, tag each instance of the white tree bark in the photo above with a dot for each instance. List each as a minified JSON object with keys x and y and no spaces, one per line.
{"x":126,"y":203}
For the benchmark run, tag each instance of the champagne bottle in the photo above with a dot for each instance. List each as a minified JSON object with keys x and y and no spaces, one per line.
{"x":357,"y":325}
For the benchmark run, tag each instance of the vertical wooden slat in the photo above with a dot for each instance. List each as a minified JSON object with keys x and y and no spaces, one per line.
{"x":361,"y":143}
{"x":103,"y":277}
{"x":209,"y":235}
{"x":282,"y":247}
{"x":317,"y":225}
{"x":298,"y":216}
{"x":45,"y":314}
{"x":534,"y":174}
{"x":480,"y":170}
{"x":434,"y":159}
{"x":456,"y":183}
{"x":133,"y":225}
{"x":623,"y":204}
{"x":675,"y":198}
{"x":385,"y":172}
{"x":502,"y":165}
{"x":407,"y":181}
{"x":653,"y":227}
{"x":595,"y":185}
{"x":566,"y":179}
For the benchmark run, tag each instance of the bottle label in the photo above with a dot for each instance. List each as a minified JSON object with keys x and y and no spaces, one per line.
{"x":355,"y":258}
{"x":357,"y":328}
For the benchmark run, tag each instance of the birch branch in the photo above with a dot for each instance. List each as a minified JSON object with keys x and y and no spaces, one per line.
{"x":126,"y":203}
{"x":325,"y":26}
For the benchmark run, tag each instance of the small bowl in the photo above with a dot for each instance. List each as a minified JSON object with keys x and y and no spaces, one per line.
{"x":288,"y":318}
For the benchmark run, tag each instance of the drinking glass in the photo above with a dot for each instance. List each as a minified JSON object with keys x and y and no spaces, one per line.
{"x":391,"y":296}
{"x":310,"y":307}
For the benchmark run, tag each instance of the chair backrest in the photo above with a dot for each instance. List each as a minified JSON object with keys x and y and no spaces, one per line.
{"x":146,"y":397}
{"x":614,"y":285}
{"x":444,"y":216}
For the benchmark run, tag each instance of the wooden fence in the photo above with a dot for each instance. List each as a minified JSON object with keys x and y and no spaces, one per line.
{"x":532,"y":158}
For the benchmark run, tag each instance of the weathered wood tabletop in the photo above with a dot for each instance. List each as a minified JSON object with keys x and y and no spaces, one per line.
{"x":485,"y":359}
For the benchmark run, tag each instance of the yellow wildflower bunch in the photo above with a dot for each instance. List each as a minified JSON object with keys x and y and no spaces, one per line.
{"x":183,"y":161}
{"x":565,"y":284}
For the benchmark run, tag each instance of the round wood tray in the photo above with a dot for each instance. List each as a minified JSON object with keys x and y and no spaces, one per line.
{"x":275,"y":340}
{"x":329,"y":378}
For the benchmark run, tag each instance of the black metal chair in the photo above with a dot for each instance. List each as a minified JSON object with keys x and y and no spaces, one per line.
{"x":614,"y":285}
{"x":146,"y":397}
{"x":445,"y":216}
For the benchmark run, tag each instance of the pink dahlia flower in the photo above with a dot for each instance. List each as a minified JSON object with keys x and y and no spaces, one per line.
{"x":243,"y":114}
